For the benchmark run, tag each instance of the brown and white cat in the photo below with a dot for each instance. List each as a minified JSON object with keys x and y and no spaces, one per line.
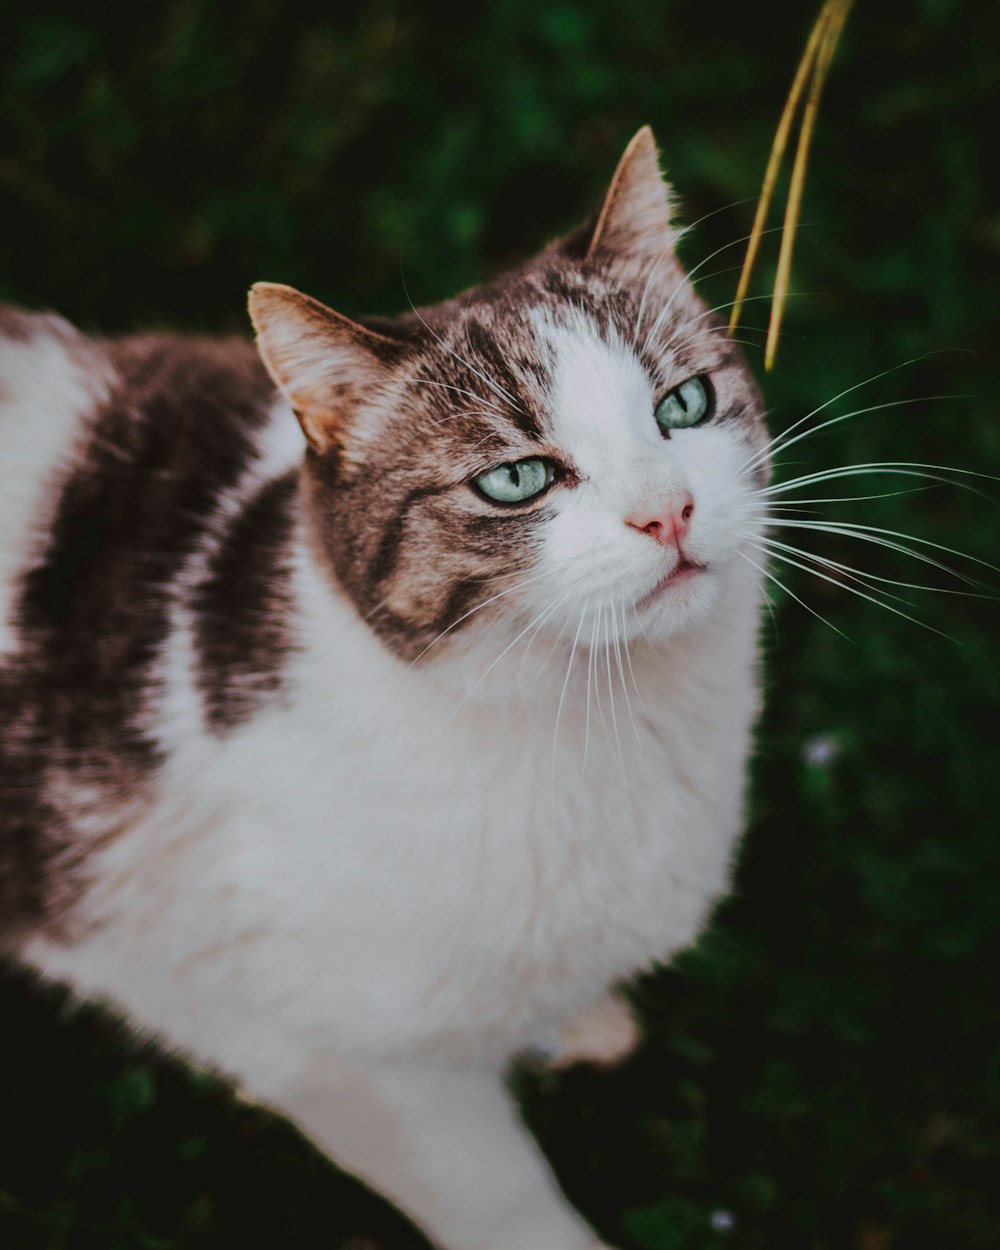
{"x":355,"y":764}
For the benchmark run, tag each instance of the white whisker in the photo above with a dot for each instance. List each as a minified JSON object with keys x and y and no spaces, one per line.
{"x":690,"y":280}
{"x":495,"y":387}
{"x":562,"y":700}
{"x":586,"y":728}
{"x":770,"y":609}
{"x":628,"y":660}
{"x":460,"y":390}
{"x":781,"y":443}
{"x":864,"y":576}
{"x":472,"y":611}
{"x":785,"y":559}
{"x":621,"y":674}
{"x":874,"y":533}
{"x":611,"y":699}
{"x":887,"y":494}
{"x":645,"y":291}
{"x":718,"y":308}
{"x":528,"y":645}
{"x":468,"y":412}
{"x":782,"y":585}
{"x":517,"y":638}
{"x":822,"y":407}
{"x":898,"y":468}
{"x":597,"y":679}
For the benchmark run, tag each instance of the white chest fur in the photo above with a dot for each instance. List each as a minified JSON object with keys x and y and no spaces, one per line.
{"x":378,"y":867}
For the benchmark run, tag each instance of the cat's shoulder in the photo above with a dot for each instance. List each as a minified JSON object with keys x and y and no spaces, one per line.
{"x":120,"y":458}
{"x":22,"y":326}
{"x":41,"y":350}
{"x":196,"y":375}
{"x":106,"y":416}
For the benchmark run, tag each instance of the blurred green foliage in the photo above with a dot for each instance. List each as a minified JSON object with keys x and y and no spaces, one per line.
{"x":822,"y":1071}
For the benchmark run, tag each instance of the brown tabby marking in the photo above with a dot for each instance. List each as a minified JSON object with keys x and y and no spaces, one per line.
{"x":77,"y":699}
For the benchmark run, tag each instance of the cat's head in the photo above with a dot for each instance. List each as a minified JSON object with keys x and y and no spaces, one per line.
{"x":570,"y":443}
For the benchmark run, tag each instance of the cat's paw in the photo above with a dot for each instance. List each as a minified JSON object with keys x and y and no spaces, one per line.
{"x":604,"y":1034}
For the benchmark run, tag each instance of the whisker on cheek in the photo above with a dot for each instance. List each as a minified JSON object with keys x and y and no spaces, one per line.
{"x":562,"y":700}
{"x":875,"y":377}
{"x":898,"y":468}
{"x":771,"y":577}
{"x":781,"y":442}
{"x":835,"y":581}
{"x":478,"y":608}
{"x":849,"y":571}
{"x":624,"y":687}
{"x":546,"y":612}
{"x":887,"y":538}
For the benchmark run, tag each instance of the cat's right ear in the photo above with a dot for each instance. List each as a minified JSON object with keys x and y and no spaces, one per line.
{"x":324,"y":364}
{"x":633,"y":228}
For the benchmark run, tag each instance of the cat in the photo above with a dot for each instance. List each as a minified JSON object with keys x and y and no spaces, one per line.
{"x":357,"y":754}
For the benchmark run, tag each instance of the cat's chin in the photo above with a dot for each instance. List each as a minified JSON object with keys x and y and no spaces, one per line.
{"x":680,"y":575}
{"x":679,"y":602}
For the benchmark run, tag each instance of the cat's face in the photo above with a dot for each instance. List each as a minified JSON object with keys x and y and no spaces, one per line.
{"x":569,"y":448}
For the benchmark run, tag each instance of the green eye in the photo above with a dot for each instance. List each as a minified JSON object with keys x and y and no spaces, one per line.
{"x":515,"y":482}
{"x":685,"y":405}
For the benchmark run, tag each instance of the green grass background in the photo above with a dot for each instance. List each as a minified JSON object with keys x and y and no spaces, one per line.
{"x":823,"y":1069}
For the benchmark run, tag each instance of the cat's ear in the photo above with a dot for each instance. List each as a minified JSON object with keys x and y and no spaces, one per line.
{"x":633,"y":226}
{"x":324,"y":364}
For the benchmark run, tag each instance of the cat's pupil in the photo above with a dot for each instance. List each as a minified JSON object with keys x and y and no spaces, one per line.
{"x":515,"y":476}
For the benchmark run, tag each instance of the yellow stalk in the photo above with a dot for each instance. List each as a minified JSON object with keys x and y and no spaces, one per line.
{"x":805,"y":67}
{"x":836,"y":15}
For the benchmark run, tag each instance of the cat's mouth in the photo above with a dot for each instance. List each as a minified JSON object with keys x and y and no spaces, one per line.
{"x":683,"y":571}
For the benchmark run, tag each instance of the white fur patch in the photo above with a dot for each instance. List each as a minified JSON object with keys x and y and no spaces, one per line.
{"x":49,"y":387}
{"x":594,"y":554}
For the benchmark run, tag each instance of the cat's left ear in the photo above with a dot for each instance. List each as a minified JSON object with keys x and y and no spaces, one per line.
{"x":325,"y":365}
{"x":634,"y":223}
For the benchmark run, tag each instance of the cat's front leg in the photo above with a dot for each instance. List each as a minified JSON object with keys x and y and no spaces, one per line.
{"x":604,"y":1033}
{"x":446,"y":1144}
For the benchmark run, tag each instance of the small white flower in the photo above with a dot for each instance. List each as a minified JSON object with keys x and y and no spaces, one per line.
{"x":722,"y":1221}
{"x":821,"y":750}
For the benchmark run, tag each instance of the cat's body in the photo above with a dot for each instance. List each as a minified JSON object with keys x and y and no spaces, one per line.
{"x":272,"y":786}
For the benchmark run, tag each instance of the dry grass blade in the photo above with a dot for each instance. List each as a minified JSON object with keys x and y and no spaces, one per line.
{"x":774,"y":160}
{"x":812,"y":71}
{"x":828,"y":45}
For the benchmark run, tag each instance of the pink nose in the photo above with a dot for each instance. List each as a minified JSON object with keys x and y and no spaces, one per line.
{"x":668,"y":525}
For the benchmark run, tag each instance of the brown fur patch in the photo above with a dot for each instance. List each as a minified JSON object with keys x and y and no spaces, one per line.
{"x":77,"y":700}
